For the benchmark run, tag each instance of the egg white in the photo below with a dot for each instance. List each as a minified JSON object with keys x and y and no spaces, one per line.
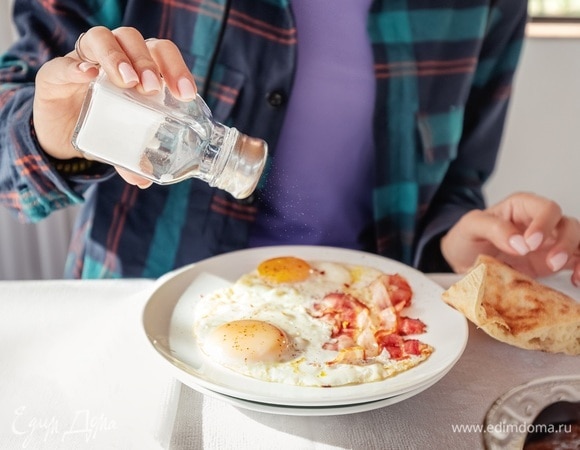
{"x":285,"y":306}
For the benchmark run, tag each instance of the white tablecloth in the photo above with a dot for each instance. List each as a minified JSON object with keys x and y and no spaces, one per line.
{"x":76,"y":372}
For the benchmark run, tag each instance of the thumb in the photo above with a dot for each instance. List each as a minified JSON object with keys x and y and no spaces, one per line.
{"x":60,"y":88}
{"x":63,"y":77}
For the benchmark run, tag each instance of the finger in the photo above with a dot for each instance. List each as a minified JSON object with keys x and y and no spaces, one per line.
{"x":100,"y":44}
{"x":135,"y":47}
{"x":537,"y":217}
{"x":64,"y":72}
{"x":133,"y":178}
{"x":547,"y":216}
{"x":175,"y":72}
{"x":566,"y":243}
{"x":501,"y":233}
{"x":576,"y":274}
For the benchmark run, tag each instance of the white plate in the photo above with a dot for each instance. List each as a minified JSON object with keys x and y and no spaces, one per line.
{"x":168,"y":315}
{"x":316,"y":410}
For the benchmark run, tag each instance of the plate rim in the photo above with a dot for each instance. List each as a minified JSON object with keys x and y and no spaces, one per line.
{"x":311,"y":411}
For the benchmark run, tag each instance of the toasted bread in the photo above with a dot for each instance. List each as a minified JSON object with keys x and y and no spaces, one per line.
{"x":517,"y":309}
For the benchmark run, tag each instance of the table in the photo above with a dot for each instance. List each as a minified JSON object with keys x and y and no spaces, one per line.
{"x":76,"y":372}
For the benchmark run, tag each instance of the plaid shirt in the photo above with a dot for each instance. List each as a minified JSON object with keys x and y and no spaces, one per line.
{"x":443,"y":71}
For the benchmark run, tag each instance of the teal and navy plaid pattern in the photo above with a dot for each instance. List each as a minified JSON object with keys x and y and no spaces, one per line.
{"x":443,"y":69}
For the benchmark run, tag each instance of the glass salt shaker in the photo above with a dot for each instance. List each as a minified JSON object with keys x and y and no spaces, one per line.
{"x":165,"y":140}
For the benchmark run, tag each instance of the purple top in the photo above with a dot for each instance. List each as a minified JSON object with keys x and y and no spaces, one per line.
{"x":320,"y":184}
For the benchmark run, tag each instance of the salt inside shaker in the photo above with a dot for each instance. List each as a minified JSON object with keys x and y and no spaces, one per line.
{"x":165,"y":140}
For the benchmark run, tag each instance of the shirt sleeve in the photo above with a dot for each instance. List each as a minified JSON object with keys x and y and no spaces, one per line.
{"x":30,"y":186}
{"x":484,"y":119}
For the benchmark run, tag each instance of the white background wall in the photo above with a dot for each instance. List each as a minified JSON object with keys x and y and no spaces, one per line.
{"x":539,"y":153}
{"x":6,"y":29}
{"x":541,"y":146}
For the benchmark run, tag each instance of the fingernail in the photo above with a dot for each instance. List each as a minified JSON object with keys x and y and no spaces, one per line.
{"x":86,"y":66}
{"x":128,"y":74}
{"x":518,"y":243}
{"x":186,"y":89}
{"x":149,"y":81}
{"x":558,"y":260}
{"x":535,"y":240}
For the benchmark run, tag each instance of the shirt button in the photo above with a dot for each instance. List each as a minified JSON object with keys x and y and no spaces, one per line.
{"x":276,"y":98}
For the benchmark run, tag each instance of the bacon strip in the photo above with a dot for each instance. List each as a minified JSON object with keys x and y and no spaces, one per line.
{"x":360,"y":332}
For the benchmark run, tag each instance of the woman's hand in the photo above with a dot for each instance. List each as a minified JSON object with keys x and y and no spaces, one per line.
{"x":527,"y":231}
{"x":129,"y":61}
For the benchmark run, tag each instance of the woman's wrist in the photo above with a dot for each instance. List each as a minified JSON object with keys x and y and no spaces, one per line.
{"x":72,"y":166}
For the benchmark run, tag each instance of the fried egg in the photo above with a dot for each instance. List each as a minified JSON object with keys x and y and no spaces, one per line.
{"x":265,"y":325}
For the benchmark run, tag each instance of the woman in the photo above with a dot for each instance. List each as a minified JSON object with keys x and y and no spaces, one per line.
{"x":383,"y":122}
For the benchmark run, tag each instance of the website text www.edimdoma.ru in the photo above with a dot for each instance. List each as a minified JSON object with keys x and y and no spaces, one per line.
{"x":509,"y":428}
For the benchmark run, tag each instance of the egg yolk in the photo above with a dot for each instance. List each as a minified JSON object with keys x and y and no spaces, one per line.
{"x":246,"y":341}
{"x":285,"y":269}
